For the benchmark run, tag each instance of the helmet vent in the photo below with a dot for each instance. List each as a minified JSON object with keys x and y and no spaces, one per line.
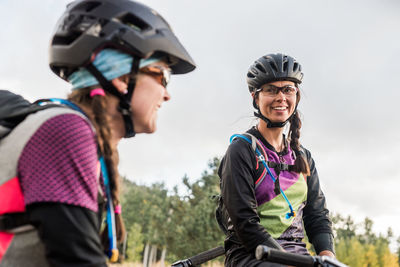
{"x":285,"y":66}
{"x":295,"y":66}
{"x":273,"y":66}
{"x":250,"y":75}
{"x":65,"y":40}
{"x":260,"y":67}
{"x":87,"y":6}
{"x":134,"y":22}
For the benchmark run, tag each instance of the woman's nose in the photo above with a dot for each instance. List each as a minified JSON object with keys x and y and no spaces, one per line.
{"x":167,"y":96}
{"x":281,"y":96}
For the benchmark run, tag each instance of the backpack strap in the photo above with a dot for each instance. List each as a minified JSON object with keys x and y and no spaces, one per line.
{"x":13,"y":220}
{"x":256,"y":146}
{"x":281,"y":166}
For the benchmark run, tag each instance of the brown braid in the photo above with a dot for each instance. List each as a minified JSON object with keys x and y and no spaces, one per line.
{"x":301,"y":165}
{"x":100,"y":121}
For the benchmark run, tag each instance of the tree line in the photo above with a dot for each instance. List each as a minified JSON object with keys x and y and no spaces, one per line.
{"x":168,"y":226}
{"x":357,"y":245}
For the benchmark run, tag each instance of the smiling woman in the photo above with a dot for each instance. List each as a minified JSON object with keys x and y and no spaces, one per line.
{"x":147,"y":99}
{"x":277,"y":100}
{"x":269,"y":183}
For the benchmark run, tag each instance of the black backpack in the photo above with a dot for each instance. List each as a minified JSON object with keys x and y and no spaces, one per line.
{"x":14,"y":109}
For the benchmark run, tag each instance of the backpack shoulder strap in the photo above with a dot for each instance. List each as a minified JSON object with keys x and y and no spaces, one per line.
{"x":255,"y":145}
{"x":251,"y":139}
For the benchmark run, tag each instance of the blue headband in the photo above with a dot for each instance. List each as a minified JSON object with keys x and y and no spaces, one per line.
{"x":111,"y":63}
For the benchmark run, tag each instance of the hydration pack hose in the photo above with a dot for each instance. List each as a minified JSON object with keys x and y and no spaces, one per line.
{"x":112,"y":252}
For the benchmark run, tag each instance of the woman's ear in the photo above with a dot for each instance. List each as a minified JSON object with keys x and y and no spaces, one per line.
{"x":255,"y":99}
{"x":120,"y":85}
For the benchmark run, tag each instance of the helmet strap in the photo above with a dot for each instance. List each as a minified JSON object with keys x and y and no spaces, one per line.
{"x":271,"y":124}
{"x":132,"y":78}
{"x":124,"y":106}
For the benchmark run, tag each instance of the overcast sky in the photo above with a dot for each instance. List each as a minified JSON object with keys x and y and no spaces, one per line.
{"x":350,"y":53}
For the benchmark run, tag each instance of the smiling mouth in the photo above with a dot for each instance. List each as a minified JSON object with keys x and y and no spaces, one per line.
{"x":279,"y":108}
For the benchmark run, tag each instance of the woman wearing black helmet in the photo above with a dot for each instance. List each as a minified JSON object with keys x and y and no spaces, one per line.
{"x":62,"y":161}
{"x":269,"y":183}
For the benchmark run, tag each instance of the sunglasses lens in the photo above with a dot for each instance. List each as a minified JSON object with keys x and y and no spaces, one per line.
{"x":161,"y":74}
{"x":166,"y":77}
{"x":270,"y":89}
{"x":289,"y":90}
{"x":273,"y":90}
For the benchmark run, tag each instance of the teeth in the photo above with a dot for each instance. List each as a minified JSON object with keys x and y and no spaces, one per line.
{"x":280,"y":108}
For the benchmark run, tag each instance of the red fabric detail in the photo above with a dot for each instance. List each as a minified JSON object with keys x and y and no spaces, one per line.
{"x":261,"y":176}
{"x":11,"y":197}
{"x":5,"y":241}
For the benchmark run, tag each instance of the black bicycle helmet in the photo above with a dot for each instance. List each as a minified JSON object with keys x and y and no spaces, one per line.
{"x":273,"y":67}
{"x":270,"y":68}
{"x":88,"y":26}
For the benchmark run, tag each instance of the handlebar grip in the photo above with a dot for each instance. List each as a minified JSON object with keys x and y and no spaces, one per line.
{"x":273,"y":255}
{"x":207,"y":255}
{"x":272,"y":243}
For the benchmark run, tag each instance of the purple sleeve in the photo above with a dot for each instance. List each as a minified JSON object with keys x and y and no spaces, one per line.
{"x":59,"y":163}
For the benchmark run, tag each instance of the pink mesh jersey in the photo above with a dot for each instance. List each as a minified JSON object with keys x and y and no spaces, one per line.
{"x":59,"y":163}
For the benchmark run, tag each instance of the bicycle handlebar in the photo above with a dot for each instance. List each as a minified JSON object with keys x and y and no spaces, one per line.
{"x":272,"y":255}
{"x":267,"y":254}
{"x":200,"y":258}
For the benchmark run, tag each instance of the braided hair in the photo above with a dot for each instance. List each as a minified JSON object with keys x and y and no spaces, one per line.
{"x":300,"y":165}
{"x":100,"y":120}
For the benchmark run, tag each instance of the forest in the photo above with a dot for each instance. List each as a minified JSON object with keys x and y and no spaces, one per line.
{"x":166,"y":226}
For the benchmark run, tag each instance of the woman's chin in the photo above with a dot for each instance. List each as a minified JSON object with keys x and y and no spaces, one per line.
{"x":147,"y":130}
{"x":151,"y":128}
{"x":279,"y":120}
{"x":147,"y":126}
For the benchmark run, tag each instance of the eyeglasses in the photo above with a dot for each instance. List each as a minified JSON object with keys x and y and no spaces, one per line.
{"x":161,"y":74}
{"x":272,"y":90}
